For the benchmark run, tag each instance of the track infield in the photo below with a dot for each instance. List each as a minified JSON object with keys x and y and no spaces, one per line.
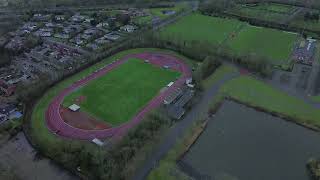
{"x":118,"y":96}
{"x":135,"y":98}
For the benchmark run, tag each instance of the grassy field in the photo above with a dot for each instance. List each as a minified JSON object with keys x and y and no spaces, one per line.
{"x":198,"y":27}
{"x":273,"y":44}
{"x":262,"y":95}
{"x":240,"y":37}
{"x":121,"y":93}
{"x":39,"y":131}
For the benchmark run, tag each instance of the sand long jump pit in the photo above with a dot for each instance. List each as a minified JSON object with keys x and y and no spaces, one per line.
{"x":116,"y":97}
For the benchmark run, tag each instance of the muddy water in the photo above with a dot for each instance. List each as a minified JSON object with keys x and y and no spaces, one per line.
{"x":245,"y":144}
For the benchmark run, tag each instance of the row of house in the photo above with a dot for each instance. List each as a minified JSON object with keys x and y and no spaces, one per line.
{"x":72,"y":30}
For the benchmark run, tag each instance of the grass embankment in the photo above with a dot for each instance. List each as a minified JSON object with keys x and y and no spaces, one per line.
{"x":119,"y":95}
{"x":217,"y":75}
{"x":258,"y":94}
{"x":39,"y":131}
{"x":167,"y":168}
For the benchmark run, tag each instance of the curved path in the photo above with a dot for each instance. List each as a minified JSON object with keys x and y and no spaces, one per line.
{"x":56,"y":124}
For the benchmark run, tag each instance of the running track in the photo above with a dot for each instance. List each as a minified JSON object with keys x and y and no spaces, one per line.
{"x":56,"y":124}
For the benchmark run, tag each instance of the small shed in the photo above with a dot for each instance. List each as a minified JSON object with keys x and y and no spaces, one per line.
{"x":170,"y":84}
{"x":97,"y":142}
{"x":74,"y":107}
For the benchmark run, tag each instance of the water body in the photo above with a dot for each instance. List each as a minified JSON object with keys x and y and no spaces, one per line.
{"x":245,"y":144}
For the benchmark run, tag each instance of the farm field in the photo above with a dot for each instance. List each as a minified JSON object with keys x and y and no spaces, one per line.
{"x":198,"y":27}
{"x":116,"y":98}
{"x":273,"y":44}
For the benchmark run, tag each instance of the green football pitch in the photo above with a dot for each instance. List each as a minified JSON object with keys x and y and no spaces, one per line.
{"x":273,"y":44}
{"x":197,"y":27}
{"x":117,"y":96}
{"x":240,"y":37}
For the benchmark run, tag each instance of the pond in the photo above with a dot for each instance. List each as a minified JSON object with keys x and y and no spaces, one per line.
{"x":242,"y":143}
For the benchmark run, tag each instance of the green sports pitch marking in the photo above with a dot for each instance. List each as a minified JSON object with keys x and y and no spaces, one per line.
{"x":135,"y":84}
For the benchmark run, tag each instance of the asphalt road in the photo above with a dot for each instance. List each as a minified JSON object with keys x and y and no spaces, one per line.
{"x":179,"y":129}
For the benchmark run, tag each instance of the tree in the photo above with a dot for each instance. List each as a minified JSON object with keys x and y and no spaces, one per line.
{"x":123,"y":18}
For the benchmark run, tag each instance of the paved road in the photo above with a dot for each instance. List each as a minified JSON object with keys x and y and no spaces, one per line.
{"x":177,"y":132}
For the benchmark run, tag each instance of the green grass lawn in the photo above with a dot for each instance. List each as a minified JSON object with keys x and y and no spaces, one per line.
{"x":198,"y":27}
{"x":274,"y":44}
{"x":249,"y":90}
{"x":316,"y":98}
{"x":117,"y":96}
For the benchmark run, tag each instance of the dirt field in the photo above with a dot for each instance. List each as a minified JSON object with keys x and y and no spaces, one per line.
{"x":17,"y":155}
{"x":82,"y":120}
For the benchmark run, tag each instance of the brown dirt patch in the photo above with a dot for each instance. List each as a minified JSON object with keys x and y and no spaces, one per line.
{"x":82,"y":120}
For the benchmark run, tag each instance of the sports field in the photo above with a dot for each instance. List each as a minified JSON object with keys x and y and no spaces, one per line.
{"x":198,"y":27}
{"x":118,"y":96}
{"x":273,"y":44}
{"x":242,"y":38}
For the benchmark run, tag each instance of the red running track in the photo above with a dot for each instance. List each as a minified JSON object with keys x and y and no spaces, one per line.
{"x":56,"y":124}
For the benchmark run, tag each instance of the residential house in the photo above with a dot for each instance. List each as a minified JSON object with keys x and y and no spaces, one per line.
{"x":59,"y":18}
{"x":15,"y":44}
{"x":77,"y":18}
{"x":7,"y":110}
{"x":103,"y":25}
{"x":112,"y":36}
{"x":41,"y":17}
{"x":128,"y":28}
